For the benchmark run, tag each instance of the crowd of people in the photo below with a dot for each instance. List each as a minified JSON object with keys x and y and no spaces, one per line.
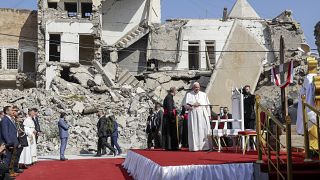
{"x":190,"y":126}
{"x":167,"y":127}
{"x":107,"y":127}
{"x":18,"y":137}
{"x":19,"y":134}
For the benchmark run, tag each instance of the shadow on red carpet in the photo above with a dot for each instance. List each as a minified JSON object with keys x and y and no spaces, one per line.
{"x":91,"y":169}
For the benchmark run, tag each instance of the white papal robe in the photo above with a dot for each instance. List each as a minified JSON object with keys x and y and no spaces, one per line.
{"x":307,"y":89}
{"x":198,"y":121}
{"x":29,"y":153}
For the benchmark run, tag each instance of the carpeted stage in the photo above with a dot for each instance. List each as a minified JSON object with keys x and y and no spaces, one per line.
{"x":160,"y":164}
{"x":168,"y":165}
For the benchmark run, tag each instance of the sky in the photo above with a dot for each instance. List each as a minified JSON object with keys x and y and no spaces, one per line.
{"x":306,"y":12}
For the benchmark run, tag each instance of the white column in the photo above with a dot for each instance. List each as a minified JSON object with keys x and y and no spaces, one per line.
{"x":203,"y":60}
{"x":4,"y":58}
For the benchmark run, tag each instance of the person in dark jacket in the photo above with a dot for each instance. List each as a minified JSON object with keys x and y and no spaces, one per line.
{"x":9,"y":133}
{"x":153,"y":126}
{"x":18,"y":118}
{"x":170,"y":130}
{"x":103,"y":133}
{"x":63,"y":132}
{"x":184,"y":117}
{"x":115,"y":136}
{"x":36,"y":123}
{"x":249,"y":113}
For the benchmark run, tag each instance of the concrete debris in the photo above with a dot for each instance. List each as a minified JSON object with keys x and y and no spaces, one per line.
{"x":111,"y":69}
{"x":129,"y":104}
{"x":78,"y":107}
{"x":98,"y":80}
{"x":178,"y":84}
{"x":81,"y":74}
{"x":107,"y":77}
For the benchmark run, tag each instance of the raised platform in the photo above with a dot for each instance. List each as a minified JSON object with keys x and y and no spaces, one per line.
{"x":160,"y":164}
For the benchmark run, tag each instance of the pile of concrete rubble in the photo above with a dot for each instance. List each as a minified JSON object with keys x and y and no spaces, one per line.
{"x":81,"y":91}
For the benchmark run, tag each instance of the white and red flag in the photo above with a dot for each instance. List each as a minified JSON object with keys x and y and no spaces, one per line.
{"x":276,"y":76}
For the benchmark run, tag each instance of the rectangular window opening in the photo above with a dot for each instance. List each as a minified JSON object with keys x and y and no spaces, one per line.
{"x":54,"y":47}
{"x":193,"y":51}
{"x":12,"y":59}
{"x":71,"y":8}
{"x":210,"y":52}
{"x":53,"y":5}
{"x":86,"y":49}
{"x":86,"y":10}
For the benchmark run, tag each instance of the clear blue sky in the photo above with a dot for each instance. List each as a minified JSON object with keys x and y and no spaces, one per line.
{"x":307,"y":12}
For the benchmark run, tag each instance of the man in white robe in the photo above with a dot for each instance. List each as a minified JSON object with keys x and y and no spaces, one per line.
{"x":29,"y":153}
{"x":197,"y":104}
{"x":307,"y":89}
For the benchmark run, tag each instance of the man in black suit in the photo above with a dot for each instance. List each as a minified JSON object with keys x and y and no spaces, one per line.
{"x":36,"y":123}
{"x":249,"y":113}
{"x":104,"y":131}
{"x":9,"y":135}
{"x":19,"y":149}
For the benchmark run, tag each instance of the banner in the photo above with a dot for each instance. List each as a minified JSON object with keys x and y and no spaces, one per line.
{"x":276,"y":77}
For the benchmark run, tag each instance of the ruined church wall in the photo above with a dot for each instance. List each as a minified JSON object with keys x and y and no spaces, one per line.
{"x":120,"y":17}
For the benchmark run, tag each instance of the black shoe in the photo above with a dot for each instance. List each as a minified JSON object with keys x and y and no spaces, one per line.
{"x":63,"y":159}
{"x":97,"y":155}
{"x":23,"y":166}
{"x":119,"y":153}
{"x":19,"y":171}
{"x":114,"y":153}
{"x":110,"y":153}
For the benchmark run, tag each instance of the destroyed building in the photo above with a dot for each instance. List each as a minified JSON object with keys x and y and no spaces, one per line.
{"x":117,"y":55}
{"x":223,"y":53}
{"x":18,"y":48}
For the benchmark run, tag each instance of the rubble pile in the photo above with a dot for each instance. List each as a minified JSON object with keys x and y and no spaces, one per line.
{"x":80,"y":101}
{"x":157,"y":84}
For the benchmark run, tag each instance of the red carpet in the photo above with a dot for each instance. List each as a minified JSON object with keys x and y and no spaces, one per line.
{"x":93,"y":169}
{"x":184,"y":157}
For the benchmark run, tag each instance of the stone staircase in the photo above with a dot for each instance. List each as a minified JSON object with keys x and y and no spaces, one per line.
{"x":125,"y":77}
{"x":133,"y":36}
{"x":297,"y":141}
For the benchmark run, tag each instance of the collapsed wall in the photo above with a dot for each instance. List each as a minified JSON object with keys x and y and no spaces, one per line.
{"x":130,"y":106}
{"x":283,"y":25}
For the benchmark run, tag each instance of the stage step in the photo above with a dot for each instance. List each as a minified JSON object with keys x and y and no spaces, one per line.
{"x":298,"y":175}
{"x":301,"y":170}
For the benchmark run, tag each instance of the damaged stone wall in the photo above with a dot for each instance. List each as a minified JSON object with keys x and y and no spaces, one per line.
{"x":285,"y":26}
{"x":46,"y":15}
{"x":293,"y":36}
{"x":166,"y":36}
{"x":18,"y":30}
{"x":134,"y":59}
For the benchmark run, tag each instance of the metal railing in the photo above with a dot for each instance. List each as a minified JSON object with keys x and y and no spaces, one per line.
{"x":267,"y":128}
{"x":306,"y":131}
